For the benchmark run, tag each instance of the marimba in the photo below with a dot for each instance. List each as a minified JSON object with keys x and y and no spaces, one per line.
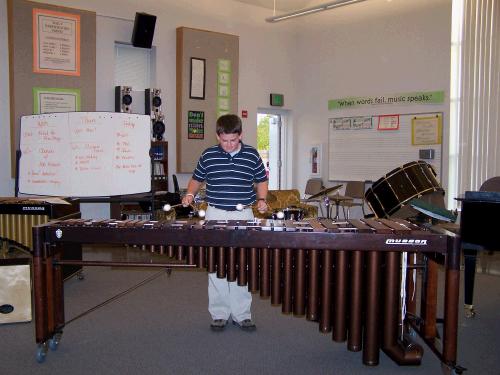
{"x":345,"y":275}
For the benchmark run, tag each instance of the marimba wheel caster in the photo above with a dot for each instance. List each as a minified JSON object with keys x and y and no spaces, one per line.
{"x":452,"y":370}
{"x":54,"y":341}
{"x":80,"y":276}
{"x":41,"y":352}
{"x":412,"y":333}
{"x":169,"y":271}
{"x":53,"y":344}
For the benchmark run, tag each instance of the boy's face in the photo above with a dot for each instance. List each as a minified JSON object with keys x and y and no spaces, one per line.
{"x":229,"y":142}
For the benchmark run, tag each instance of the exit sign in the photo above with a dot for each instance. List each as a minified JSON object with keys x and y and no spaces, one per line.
{"x":277,"y":100}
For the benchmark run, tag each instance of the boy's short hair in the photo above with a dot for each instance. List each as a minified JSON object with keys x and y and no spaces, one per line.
{"x":228,"y":124}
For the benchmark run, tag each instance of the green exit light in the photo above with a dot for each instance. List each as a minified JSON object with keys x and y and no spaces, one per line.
{"x":277,"y":100}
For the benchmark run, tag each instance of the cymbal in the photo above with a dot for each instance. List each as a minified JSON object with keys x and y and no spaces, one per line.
{"x":340,"y":198}
{"x":325,"y":192}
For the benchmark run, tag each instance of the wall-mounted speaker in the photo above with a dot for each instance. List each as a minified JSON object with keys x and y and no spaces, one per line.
{"x":153,"y":102}
{"x":144,"y":28}
{"x":123,"y":99}
{"x":158,"y":128}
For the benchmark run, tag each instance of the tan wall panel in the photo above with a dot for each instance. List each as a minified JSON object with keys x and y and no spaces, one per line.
{"x":210,"y":46}
{"x":22,"y":78}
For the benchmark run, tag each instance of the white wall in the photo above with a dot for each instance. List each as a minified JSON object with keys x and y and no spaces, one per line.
{"x":375,"y":47}
{"x":372,"y":48}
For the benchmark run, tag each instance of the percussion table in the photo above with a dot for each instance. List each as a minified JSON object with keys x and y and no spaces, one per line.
{"x":344,"y":275}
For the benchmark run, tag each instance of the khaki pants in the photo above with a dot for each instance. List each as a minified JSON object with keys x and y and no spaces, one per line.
{"x":228,"y":299}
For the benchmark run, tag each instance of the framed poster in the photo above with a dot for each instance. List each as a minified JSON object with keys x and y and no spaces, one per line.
{"x":56,"y":42}
{"x":196,"y":124}
{"x":51,"y":100}
{"x":197,"y":80}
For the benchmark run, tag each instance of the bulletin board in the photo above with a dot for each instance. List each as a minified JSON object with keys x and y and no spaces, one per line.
{"x":85,"y":154}
{"x":207,"y":84}
{"x":26,"y":78}
{"x":368,"y":147}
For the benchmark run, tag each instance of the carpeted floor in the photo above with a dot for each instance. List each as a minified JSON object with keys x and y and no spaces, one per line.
{"x":163,"y":328}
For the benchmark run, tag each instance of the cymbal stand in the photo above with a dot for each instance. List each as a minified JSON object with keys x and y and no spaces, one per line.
{"x":326,"y":202}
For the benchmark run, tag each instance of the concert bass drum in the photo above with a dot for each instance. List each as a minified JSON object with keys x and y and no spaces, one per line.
{"x":391,"y":192}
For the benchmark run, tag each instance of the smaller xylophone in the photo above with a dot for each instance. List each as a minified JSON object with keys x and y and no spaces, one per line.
{"x":18,"y":215}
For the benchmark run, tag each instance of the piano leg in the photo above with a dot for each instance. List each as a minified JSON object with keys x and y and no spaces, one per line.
{"x":470,"y":257}
{"x":451,"y":297}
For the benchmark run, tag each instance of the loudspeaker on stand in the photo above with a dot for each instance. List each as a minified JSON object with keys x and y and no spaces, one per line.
{"x":153,"y":102}
{"x":123,"y":99}
{"x":158,"y":128}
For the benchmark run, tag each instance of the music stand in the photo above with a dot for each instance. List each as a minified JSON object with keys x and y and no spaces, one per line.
{"x":326,"y":199}
{"x":16,"y":182}
{"x":432,"y":211}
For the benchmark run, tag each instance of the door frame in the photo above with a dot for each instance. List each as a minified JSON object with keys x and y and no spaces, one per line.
{"x":286,"y":143}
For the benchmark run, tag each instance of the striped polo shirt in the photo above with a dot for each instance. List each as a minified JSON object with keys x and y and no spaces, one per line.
{"x":230,"y":179}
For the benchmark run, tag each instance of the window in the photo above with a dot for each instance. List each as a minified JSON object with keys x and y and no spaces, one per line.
{"x":134,"y":66}
{"x":474,"y":94}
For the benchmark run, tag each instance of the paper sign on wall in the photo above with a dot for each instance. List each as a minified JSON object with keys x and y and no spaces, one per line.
{"x":56,"y":42}
{"x":426,"y":130}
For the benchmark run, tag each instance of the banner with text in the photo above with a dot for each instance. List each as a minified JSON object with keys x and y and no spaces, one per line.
{"x":418,"y":97}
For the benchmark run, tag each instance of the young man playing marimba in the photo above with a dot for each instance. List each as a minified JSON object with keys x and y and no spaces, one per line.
{"x":235,"y":179}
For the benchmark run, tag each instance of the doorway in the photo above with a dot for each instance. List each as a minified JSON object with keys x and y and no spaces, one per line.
{"x":270,"y":136}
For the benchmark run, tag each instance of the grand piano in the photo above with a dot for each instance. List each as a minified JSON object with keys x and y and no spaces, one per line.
{"x":478,"y":231}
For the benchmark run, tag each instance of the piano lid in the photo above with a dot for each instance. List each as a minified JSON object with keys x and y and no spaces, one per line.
{"x":482,"y":196}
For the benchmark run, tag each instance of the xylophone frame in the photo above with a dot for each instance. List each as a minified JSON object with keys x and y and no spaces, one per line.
{"x":325,"y":238}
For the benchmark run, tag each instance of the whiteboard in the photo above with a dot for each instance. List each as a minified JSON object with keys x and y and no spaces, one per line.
{"x":83,"y":154}
{"x":359,"y":152}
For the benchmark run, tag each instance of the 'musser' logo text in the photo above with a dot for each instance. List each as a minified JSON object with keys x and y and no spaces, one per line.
{"x":405,"y":241}
{"x":34,"y":208}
